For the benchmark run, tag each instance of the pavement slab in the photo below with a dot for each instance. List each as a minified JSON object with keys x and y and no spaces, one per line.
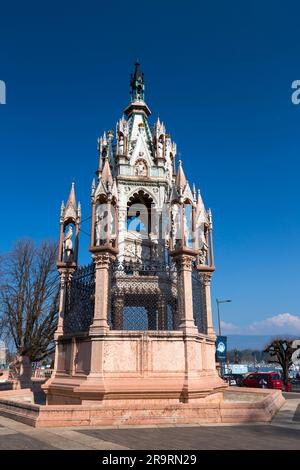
{"x":201,"y":438}
{"x":297,"y":414}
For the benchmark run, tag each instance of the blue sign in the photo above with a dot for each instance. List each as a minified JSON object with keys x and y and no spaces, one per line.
{"x":221,"y":348}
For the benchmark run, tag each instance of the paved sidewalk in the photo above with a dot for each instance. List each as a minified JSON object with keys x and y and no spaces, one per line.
{"x":14,"y":435}
{"x":282,"y":433}
{"x":289,"y":415}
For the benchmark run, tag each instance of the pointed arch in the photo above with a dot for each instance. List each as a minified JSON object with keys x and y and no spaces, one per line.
{"x":139,"y":211}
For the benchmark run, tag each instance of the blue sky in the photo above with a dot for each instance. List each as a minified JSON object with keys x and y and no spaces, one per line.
{"x":217,"y":73}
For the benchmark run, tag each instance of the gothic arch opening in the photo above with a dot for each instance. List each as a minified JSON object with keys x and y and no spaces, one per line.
{"x":139,"y":212}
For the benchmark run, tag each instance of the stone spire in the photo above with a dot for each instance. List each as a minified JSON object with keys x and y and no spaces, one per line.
{"x":71,"y":210}
{"x":137,"y":84}
{"x":69,"y":215}
{"x":201,"y":222}
{"x":106,"y":173}
{"x":72,"y":199}
{"x":180,"y":177}
{"x":200,"y":204}
{"x":137,"y":93}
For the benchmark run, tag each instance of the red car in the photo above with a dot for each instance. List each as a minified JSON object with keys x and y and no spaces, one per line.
{"x":263,"y":380}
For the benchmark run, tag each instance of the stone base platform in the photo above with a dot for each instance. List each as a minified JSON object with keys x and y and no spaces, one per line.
{"x":236,"y":405}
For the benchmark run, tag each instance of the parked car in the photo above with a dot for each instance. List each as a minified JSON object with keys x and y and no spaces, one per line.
{"x":263,"y":380}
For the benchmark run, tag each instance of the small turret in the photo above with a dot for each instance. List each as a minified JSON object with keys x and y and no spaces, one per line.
{"x":70,"y":217}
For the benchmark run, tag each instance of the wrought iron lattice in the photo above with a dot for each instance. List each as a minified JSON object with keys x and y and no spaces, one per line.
{"x":198,"y":302}
{"x":143,"y":296}
{"x":79,"y":306}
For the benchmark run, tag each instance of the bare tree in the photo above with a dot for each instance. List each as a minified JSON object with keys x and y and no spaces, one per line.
{"x":280,"y":352}
{"x":29,"y":297}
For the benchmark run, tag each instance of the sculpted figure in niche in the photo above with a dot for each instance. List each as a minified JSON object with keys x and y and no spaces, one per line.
{"x":203,"y":254}
{"x":140,"y":168}
{"x":139,"y":251}
{"x":175,"y":222}
{"x":160,"y":148}
{"x":68,"y":243}
{"x":186,"y":232}
{"x":104,"y":221}
{"x":98,"y":229}
{"x":121,"y":145}
{"x":155,"y":249}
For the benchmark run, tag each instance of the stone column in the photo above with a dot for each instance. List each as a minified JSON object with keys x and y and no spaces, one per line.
{"x":94,"y":385}
{"x":102,"y":262}
{"x":207,"y":310}
{"x":109,"y":219}
{"x":65,"y":277}
{"x":211,"y":248}
{"x":60,"y":246}
{"x":185,"y":296}
{"x":93,"y":222}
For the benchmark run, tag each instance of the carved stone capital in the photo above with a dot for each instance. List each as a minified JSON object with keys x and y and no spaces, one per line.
{"x":184,"y":262}
{"x":65,"y":275}
{"x":103,"y":260}
{"x":206,"y":278}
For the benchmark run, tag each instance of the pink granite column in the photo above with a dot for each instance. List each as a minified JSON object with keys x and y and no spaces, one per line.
{"x":185,"y":296}
{"x":102,"y":262}
{"x":65,"y":277}
{"x":94,"y":385}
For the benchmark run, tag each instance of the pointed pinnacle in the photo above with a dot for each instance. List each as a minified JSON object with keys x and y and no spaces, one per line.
{"x":72,"y":198}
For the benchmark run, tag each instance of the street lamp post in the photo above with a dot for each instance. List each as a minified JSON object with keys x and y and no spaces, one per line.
{"x":219,"y":317}
{"x":219,"y":322}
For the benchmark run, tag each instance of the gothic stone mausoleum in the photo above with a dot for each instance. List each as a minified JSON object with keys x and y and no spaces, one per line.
{"x":135,"y":337}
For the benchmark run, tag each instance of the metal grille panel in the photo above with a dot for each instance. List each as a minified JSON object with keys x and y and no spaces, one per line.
{"x":79,"y":306}
{"x":143,"y":296}
{"x":198,"y":301}
{"x":140,"y":296}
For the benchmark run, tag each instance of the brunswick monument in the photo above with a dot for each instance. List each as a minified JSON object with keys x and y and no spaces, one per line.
{"x":135,"y":342}
{"x":135,"y":326}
